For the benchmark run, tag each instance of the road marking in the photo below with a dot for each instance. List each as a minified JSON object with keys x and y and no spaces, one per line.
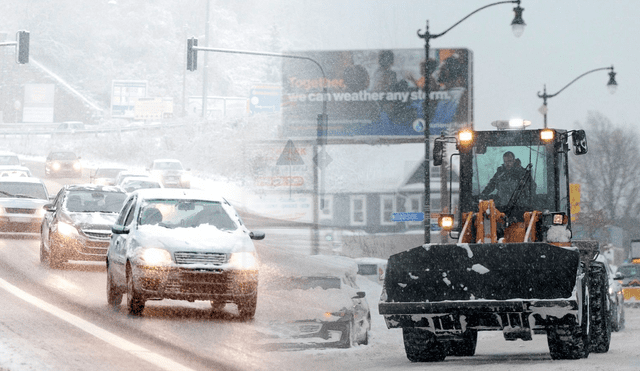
{"x":118,"y":342}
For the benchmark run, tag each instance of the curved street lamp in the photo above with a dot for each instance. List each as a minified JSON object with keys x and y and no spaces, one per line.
{"x":612,"y":85}
{"x":517,"y":26}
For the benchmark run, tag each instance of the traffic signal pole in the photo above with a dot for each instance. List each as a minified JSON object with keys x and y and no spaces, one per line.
{"x":321,"y":135}
{"x":22,"y":46}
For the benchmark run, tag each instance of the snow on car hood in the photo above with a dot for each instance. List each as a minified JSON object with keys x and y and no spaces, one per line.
{"x":23,"y":203}
{"x":310,"y":304}
{"x":106,"y":219}
{"x":204,"y":237}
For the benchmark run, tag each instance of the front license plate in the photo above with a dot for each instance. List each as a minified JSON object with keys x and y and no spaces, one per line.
{"x":18,"y":219}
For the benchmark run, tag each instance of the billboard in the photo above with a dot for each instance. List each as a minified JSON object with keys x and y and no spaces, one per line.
{"x":219,"y":107}
{"x":377,"y":93}
{"x":38,"y":103}
{"x":124,"y":94}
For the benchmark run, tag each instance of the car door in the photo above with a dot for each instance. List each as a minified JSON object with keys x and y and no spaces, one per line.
{"x":116,"y":254}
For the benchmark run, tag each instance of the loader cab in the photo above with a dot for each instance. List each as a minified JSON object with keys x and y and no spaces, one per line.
{"x":535,"y":161}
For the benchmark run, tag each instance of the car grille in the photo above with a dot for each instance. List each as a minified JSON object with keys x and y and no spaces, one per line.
{"x":15,"y":210}
{"x":201,"y":258}
{"x":309,"y":328}
{"x":199,"y":283}
{"x":97,"y":234}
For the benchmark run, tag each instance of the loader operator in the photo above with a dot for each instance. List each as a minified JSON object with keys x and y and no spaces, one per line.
{"x":505,"y":181}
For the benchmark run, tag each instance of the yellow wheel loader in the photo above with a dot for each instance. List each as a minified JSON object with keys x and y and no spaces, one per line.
{"x":514,"y":267}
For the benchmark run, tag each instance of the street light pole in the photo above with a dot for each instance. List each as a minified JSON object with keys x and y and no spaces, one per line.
{"x":518,"y":27}
{"x":612,"y":85}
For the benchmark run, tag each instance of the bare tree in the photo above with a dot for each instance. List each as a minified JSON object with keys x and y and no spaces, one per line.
{"x":610,"y":172}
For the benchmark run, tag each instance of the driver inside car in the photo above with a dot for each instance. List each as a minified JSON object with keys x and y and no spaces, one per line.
{"x":505,"y":181}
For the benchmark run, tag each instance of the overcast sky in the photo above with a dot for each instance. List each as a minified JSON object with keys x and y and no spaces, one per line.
{"x":562,"y":40}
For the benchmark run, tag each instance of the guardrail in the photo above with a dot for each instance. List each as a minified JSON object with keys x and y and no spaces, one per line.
{"x":48,"y":129}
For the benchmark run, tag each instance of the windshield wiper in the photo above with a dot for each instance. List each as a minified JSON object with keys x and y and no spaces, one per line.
{"x":23,"y":196}
{"x":7,"y":194}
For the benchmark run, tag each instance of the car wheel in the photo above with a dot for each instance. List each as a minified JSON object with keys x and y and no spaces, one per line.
{"x":114,"y":296}
{"x":247,"y":306}
{"x":365,"y":338}
{"x":135,"y":301}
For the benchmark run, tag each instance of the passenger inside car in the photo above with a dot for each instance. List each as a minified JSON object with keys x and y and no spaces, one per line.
{"x":151,"y":216}
{"x":213,"y":214}
{"x":74,"y":203}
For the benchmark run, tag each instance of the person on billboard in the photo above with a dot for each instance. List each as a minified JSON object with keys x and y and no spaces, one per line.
{"x":384,"y":78}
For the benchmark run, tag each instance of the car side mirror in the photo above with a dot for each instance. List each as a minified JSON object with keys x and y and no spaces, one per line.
{"x":256,"y":235}
{"x":618,"y":276}
{"x":49,"y":207}
{"x":119,"y":229}
{"x":360,"y":295}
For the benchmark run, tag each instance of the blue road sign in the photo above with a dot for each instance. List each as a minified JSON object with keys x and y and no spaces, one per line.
{"x":407,"y":217}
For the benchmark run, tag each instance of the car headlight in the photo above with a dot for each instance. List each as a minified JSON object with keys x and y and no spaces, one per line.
{"x":55,"y":166}
{"x":185,"y":177}
{"x":157,"y":257}
{"x":243,"y":260}
{"x":77,"y":166}
{"x":67,"y":229}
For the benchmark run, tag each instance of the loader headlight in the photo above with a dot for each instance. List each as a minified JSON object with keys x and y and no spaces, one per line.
{"x":547,"y":135}
{"x":465,"y":137}
{"x":445,"y":221}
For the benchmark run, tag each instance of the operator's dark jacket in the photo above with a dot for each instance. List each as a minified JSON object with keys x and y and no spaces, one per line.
{"x":505,"y":182}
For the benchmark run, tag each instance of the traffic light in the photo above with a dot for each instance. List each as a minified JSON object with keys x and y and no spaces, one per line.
{"x":22,"y":47}
{"x":192,"y":55}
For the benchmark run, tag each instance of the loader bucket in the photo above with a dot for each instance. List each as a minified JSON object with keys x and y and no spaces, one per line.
{"x":487,"y":271}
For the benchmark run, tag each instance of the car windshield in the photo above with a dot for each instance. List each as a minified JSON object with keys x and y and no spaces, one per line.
{"x":63,"y":156}
{"x":304,"y":283}
{"x":630,"y":271}
{"x":169,"y":165}
{"x":186,"y":214}
{"x":9,"y":160}
{"x":28,"y":190}
{"x":94,"y":201}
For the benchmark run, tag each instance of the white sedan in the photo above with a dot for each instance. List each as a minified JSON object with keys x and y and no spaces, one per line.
{"x":182,"y":244}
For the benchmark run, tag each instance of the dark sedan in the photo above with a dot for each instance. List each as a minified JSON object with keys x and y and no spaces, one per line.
{"x":63,"y":163}
{"x":315,"y":303}
{"x":77,"y":225}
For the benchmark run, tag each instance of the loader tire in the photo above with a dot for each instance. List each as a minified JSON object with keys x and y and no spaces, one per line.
{"x":571,"y":340}
{"x":464,"y":348}
{"x":422,"y":346}
{"x":599,"y":313}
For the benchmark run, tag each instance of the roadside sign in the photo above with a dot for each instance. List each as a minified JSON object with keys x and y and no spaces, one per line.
{"x":322,"y":159}
{"x":290,"y":155}
{"x":265,"y":98}
{"x":407,"y":217}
